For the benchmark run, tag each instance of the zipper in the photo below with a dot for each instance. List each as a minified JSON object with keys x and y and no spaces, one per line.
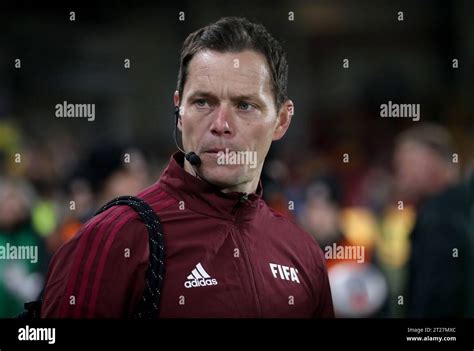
{"x":253,"y":284}
{"x":243,"y":198}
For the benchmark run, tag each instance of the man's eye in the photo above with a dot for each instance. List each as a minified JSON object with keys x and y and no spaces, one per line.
{"x":245,"y":106}
{"x":200,"y":102}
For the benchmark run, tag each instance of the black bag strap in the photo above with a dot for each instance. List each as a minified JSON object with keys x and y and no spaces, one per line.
{"x":148,"y":307}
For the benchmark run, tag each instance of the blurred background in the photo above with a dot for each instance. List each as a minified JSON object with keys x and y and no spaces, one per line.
{"x":400,"y":189}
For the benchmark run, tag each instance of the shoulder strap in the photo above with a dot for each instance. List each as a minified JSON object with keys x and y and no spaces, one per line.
{"x":148,"y":307}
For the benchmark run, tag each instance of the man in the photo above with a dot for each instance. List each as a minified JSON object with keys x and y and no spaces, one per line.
{"x":438,"y":263}
{"x":440,"y":269}
{"x":228,"y":253}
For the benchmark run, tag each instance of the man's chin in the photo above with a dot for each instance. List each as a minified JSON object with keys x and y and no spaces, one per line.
{"x":222,"y":176}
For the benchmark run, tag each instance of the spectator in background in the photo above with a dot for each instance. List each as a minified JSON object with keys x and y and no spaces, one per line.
{"x":21,"y":279}
{"x":320,"y":215}
{"x":439,"y":266}
{"x":108,"y":171}
{"x":358,"y":286}
{"x":427,"y":175}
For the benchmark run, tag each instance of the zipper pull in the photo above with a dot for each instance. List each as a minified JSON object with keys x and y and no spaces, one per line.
{"x":243,"y":198}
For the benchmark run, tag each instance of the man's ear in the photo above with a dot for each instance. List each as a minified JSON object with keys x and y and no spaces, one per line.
{"x":176,"y":101}
{"x":284,"y":119}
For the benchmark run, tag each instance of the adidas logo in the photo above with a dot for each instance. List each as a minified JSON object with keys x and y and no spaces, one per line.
{"x":199,"y":277}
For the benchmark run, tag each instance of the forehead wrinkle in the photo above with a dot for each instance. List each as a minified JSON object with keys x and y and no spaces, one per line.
{"x":241,"y":84}
{"x":248,"y":73}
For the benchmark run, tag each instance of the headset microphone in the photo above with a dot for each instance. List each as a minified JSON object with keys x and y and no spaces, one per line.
{"x":192,"y":157}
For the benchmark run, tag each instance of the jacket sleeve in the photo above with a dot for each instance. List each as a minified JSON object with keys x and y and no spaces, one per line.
{"x":100,"y":273}
{"x":324,"y":307}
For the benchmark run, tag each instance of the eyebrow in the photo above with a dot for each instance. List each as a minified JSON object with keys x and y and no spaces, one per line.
{"x":201,"y":93}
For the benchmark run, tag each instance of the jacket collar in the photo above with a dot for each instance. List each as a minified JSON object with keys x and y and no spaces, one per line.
{"x":205,"y":198}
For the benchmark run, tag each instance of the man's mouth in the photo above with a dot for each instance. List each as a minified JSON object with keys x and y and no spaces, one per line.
{"x":216,"y":152}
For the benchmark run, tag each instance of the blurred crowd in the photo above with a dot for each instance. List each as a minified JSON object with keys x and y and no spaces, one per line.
{"x":409,"y":219}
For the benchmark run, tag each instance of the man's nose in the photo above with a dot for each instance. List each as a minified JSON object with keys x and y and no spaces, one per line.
{"x":221,"y":125}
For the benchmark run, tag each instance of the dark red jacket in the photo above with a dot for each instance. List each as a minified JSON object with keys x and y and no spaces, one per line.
{"x":226,"y":256}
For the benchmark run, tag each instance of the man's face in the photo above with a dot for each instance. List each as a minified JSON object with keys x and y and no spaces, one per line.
{"x":416,"y":166}
{"x":228,"y":103}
